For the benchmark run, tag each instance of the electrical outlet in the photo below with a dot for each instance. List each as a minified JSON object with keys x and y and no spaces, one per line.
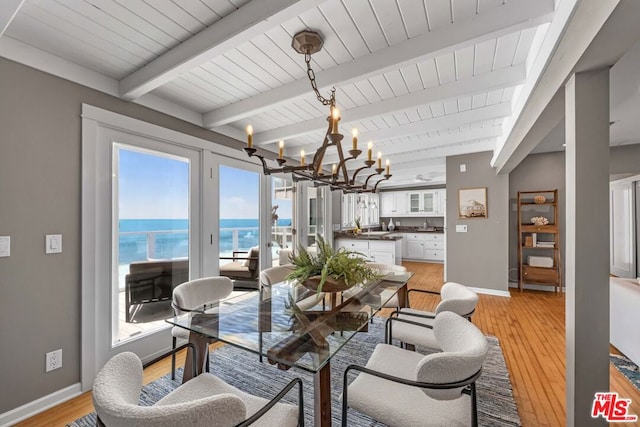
{"x":53,"y":360}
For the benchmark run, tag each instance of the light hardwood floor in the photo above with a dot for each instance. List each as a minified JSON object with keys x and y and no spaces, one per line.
{"x":530,"y":326}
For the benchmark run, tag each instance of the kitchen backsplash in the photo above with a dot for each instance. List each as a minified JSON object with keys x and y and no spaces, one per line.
{"x":433,"y":221}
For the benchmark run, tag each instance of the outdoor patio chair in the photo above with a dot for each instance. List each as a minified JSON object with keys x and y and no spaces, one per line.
{"x":243,"y":266}
{"x":403,"y":388}
{"x":152,"y":281}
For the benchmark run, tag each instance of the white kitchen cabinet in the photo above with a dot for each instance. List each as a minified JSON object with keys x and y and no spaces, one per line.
{"x":382,"y":257}
{"x":366,"y":207}
{"x":441,"y":208}
{"x":382,"y":251}
{"x":414,"y":249}
{"x":348,"y":211}
{"x":434,"y":247}
{"x":424,"y":246}
{"x":424,"y":203}
{"x":392,"y":203}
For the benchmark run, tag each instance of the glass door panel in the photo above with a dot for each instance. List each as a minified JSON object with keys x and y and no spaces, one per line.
{"x":239,"y":224}
{"x":282,"y":195}
{"x":428,"y":202}
{"x":414,"y":202}
{"x":151,"y":237}
{"x":316,"y":199}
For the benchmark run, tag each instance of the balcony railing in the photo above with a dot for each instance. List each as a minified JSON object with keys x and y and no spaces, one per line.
{"x":168,"y":244}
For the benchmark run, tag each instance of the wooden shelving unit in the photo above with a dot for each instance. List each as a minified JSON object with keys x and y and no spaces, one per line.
{"x":542,"y":241}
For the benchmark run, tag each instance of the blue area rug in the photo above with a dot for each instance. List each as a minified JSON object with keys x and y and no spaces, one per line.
{"x":627,"y":368}
{"x":496,"y":406}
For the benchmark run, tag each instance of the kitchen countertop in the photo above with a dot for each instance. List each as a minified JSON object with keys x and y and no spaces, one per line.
{"x":376,"y":235}
{"x":439,"y":230}
{"x":385,"y":235}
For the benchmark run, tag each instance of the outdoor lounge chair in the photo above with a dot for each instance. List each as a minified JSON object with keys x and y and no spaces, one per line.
{"x":243,"y":266}
{"x":152,"y":281}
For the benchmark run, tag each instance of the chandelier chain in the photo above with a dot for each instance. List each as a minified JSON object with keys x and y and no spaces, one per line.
{"x":312,"y":78}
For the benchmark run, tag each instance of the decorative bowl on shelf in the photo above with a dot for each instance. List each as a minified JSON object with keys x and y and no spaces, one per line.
{"x":539,"y":199}
{"x":539,"y":220}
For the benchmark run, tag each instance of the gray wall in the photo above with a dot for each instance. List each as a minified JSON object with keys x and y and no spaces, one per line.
{"x":40,"y":182}
{"x":624,"y":161}
{"x":536,"y":172}
{"x":546,"y":171}
{"x":479,"y":257}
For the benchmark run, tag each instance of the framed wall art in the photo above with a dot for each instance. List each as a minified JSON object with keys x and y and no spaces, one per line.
{"x":472,"y":203}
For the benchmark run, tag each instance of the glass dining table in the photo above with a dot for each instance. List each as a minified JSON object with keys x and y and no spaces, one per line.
{"x":290,"y":326}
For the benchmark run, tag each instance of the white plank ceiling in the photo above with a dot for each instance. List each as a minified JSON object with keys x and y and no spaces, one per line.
{"x":421,"y":79}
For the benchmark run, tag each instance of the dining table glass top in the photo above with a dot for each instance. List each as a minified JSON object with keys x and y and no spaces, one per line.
{"x":290,"y":325}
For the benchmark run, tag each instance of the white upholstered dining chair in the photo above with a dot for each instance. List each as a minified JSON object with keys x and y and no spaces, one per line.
{"x":304,"y":298}
{"x":404,"y":388}
{"x":388,"y":269}
{"x":205,"y":400}
{"x":411,"y":326}
{"x":195,"y":295}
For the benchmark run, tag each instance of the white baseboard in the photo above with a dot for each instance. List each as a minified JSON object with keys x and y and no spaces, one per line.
{"x":491,"y":292}
{"x":547,"y":288}
{"x":32,"y":408}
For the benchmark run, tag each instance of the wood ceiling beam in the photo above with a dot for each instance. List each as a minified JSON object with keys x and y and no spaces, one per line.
{"x":450,"y":121}
{"x":512,"y":16}
{"x":247,"y":22}
{"x":405,"y":160}
{"x":481,"y":83}
{"x":418,"y":144}
{"x":570,"y":35}
{"x":8,"y":10}
{"x":406,"y":168}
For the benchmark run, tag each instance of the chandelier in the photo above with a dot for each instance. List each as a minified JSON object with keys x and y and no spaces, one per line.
{"x":307,"y":43}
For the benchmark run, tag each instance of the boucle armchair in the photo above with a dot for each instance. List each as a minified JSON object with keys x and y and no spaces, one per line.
{"x":414,"y":327}
{"x":196,"y":295}
{"x":404,"y":388}
{"x":202,"y":401}
{"x":388,"y":269}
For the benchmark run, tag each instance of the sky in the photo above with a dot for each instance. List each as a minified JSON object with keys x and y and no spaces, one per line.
{"x":154,"y":186}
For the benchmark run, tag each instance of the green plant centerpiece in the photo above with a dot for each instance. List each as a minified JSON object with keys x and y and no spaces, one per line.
{"x":330,"y":270}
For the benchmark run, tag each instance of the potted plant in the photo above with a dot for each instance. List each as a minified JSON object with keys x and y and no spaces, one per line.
{"x":330,"y":270}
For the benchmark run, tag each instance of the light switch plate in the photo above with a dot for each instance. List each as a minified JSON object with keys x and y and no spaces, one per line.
{"x":5,"y":246}
{"x":461,"y":228}
{"x":53,"y":244}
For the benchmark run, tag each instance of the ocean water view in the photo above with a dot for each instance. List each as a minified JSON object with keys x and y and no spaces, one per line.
{"x":142,"y":239}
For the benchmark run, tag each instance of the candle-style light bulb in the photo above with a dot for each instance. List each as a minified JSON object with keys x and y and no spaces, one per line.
{"x":280,"y":149}
{"x":369,"y":147}
{"x":302,"y":158}
{"x":354,"y":133}
{"x":334,"y":169}
{"x":335,"y":118}
{"x":249,"y":136}
{"x":387,"y":172}
{"x":379,"y":159}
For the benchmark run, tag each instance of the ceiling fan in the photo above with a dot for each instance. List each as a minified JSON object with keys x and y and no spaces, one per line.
{"x":420,"y":178}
